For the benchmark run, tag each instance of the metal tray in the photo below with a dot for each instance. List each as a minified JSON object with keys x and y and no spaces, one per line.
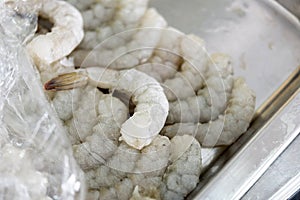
{"x":263,"y":39}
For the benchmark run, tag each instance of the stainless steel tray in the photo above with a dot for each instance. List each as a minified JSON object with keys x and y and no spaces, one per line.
{"x":263,"y":39}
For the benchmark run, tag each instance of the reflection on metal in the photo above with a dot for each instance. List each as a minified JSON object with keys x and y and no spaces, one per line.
{"x":284,"y":169}
{"x":288,"y":189}
{"x":292,"y":5}
{"x":280,"y":96}
{"x":285,"y":192}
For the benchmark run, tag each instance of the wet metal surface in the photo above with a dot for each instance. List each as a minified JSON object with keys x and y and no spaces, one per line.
{"x":263,"y":40}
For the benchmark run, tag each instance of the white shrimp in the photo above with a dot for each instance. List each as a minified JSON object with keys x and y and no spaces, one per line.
{"x":165,"y":60}
{"x":119,"y":54}
{"x":105,"y":18}
{"x":151,"y":104}
{"x":227,"y":127}
{"x":179,"y":63}
{"x":182,"y":175}
{"x":128,"y":167}
{"x":115,"y":32}
{"x":48,"y":50}
{"x":173,"y":180}
{"x":190,"y":74}
{"x":211,"y":101}
{"x":66,"y":34}
{"x":196,"y":85}
{"x":109,"y":165}
{"x":98,"y":140}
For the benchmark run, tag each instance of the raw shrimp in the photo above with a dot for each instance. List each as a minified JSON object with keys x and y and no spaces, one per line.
{"x":49,"y":50}
{"x":178,"y":61}
{"x":113,"y":169}
{"x":228,"y":126}
{"x":115,"y":33}
{"x":165,"y":60}
{"x":118,"y":54}
{"x":190,"y":73}
{"x":197,"y":85}
{"x":66,"y":34}
{"x":211,"y":101}
{"x":105,"y":18}
{"x":182,"y":175}
{"x":199,"y":88}
{"x":151,"y":104}
{"x":165,"y":180}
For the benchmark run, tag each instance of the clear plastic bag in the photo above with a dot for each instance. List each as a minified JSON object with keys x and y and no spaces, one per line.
{"x":35,"y":155}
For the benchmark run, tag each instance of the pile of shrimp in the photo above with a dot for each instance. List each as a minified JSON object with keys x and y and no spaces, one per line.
{"x":138,"y":98}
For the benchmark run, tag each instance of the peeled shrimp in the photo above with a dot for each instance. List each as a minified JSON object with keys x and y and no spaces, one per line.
{"x":119,"y":54}
{"x":211,"y":101}
{"x":151,"y":104}
{"x":105,"y":18}
{"x":228,"y":126}
{"x":65,"y":35}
